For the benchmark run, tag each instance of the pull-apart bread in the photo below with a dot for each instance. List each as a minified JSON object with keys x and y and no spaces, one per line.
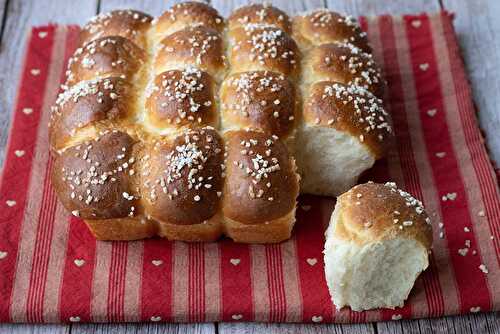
{"x":191,"y":126}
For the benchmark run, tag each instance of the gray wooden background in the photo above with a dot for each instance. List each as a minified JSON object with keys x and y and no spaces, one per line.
{"x":478,"y":28}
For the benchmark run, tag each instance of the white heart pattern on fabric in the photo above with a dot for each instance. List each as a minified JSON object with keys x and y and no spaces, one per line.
{"x":235,"y":262}
{"x":424,"y":66}
{"x":10,"y":203}
{"x":155,"y":318}
{"x":312,"y":261}
{"x":317,"y":318}
{"x":157,"y":262}
{"x":475,"y":309}
{"x":19,"y":153}
{"x":449,"y":196}
{"x":74,"y":319}
{"x":431,"y":112}
{"x":3,"y":255}
{"x":79,"y":262}
{"x":440,"y":154}
{"x":237,"y":316}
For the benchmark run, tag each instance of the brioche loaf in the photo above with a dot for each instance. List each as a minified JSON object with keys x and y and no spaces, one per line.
{"x":376,"y":245}
{"x":187,"y":126}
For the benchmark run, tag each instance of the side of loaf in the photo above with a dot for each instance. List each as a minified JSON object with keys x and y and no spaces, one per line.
{"x":191,"y":126}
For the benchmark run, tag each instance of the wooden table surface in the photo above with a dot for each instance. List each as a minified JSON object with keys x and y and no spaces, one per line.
{"x":478,"y":29}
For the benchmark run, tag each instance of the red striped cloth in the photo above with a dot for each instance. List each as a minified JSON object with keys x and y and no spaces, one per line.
{"x":52,"y":269}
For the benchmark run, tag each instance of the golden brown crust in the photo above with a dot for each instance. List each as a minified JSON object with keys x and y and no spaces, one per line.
{"x":262,"y":184}
{"x":351,"y":109}
{"x":105,"y":57}
{"x":182,"y":181}
{"x":323,"y":26}
{"x":371,"y":212}
{"x":257,"y":47}
{"x":88,"y":102}
{"x":93,"y":179}
{"x":139,"y":227}
{"x":259,"y":14}
{"x":193,"y":46}
{"x":150,"y":87}
{"x":129,"y":228}
{"x":273,"y":231}
{"x":182,"y":98}
{"x":344,"y":63}
{"x":131,"y":24}
{"x":186,"y":14}
{"x":209,"y":230}
{"x":261,"y":100}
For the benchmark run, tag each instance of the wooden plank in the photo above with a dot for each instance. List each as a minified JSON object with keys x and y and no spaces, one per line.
{"x":252,"y":328}
{"x":471,"y":323}
{"x":379,"y":7}
{"x":477,"y":26}
{"x":154,"y":8}
{"x":475,"y":323}
{"x":143,"y":328}
{"x":292,"y":7}
{"x":33,"y":329}
{"x":296,"y":7}
{"x":3,"y":7}
{"x":225,"y":7}
{"x":20,"y":16}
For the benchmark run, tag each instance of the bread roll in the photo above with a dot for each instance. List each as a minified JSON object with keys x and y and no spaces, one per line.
{"x":344,"y":130}
{"x":323,"y":26}
{"x":376,"y":245}
{"x":130,"y":24}
{"x":259,"y":199}
{"x":186,"y":14}
{"x":264,"y":14}
{"x":259,"y":99}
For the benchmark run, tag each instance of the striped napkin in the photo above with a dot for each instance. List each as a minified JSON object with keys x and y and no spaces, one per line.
{"x":53,"y":270}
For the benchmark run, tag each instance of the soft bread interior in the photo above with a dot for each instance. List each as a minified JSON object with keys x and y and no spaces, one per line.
{"x":379,"y":274}
{"x":329,"y":161}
